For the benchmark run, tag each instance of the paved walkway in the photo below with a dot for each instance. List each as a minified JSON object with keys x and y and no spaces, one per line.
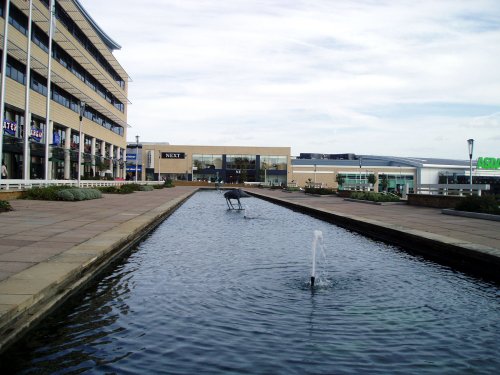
{"x":48,"y":248}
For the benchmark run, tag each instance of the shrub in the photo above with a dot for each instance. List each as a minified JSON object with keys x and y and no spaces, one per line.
{"x":65,"y":195}
{"x":485,"y":204}
{"x":373,"y":197}
{"x":146,"y":188}
{"x":5,"y":206}
{"x":169,"y":183}
{"x":109,"y":189}
{"x":133,"y":187}
{"x":44,"y":193}
{"x":320,"y":191}
{"x":127,"y":189}
{"x":92,"y":193}
{"x":159,"y":186}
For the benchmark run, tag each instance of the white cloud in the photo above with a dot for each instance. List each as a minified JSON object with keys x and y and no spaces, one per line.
{"x":324,"y":76}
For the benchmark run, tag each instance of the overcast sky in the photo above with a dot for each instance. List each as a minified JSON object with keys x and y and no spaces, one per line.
{"x":380,"y":77}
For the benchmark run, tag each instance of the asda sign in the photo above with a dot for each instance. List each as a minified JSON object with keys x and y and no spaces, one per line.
{"x":488,"y":163}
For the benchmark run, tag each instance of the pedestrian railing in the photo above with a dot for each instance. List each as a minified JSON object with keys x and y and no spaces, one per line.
{"x":358,"y":187}
{"x":15,"y":184}
{"x":452,"y":189}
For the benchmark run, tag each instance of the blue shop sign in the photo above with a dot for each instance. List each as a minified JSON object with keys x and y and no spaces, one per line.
{"x":131,"y":157}
{"x":131,"y":168}
{"x":9,"y":127}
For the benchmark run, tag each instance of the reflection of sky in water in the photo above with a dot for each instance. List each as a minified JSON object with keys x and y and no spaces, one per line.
{"x":212,"y":291}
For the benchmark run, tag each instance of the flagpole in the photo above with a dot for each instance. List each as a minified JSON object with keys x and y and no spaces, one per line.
{"x":4,"y":70}
{"x":49,"y":70}
{"x":27,"y":113}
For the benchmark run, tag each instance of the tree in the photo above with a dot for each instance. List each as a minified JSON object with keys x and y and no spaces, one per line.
{"x":340,"y":179}
{"x":383,"y":179}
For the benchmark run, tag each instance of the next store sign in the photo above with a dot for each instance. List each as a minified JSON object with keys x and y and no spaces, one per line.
{"x":173,"y":155}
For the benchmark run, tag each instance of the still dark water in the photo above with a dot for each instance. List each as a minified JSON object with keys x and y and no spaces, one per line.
{"x":210,"y":292}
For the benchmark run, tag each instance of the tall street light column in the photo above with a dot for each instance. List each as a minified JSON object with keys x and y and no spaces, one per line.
{"x":470,"y":143}
{"x":136,"y":155}
{"x":80,"y":143}
{"x":159,"y":167}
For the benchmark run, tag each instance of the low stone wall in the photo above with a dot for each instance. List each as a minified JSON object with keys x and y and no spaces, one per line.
{"x":436,"y":201}
{"x":11,"y":194}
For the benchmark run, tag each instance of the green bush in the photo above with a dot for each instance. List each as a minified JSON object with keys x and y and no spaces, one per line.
{"x":159,"y":186}
{"x":146,"y":188}
{"x":5,"y":206}
{"x":320,"y":191}
{"x":128,"y":189}
{"x":65,"y":195}
{"x":485,"y":204}
{"x":168,"y":183}
{"x":133,"y":187}
{"x":373,"y":197}
{"x":44,"y":193}
{"x":78,"y":194}
{"x":109,"y":189}
{"x":58,"y":193}
{"x":92,"y":193}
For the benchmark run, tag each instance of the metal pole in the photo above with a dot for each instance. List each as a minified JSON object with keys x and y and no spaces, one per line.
{"x":159,"y":167}
{"x":49,"y":70}
{"x":136,"y":155}
{"x":80,"y":143}
{"x":27,"y":114}
{"x":470,"y":143}
{"x":4,"y":70}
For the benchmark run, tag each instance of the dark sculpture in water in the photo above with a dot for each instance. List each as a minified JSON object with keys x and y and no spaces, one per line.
{"x":235,"y":194}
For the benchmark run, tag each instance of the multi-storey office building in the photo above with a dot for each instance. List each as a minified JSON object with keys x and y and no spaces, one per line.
{"x":88,"y":93}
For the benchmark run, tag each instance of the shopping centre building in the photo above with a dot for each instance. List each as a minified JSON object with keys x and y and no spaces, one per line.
{"x":87,"y":106}
{"x":229,"y":164}
{"x":276,"y":166}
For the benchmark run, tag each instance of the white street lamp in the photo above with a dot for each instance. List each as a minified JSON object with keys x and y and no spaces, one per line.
{"x":136,"y":155}
{"x":80,"y":142}
{"x":159,"y":168}
{"x":470,"y":143}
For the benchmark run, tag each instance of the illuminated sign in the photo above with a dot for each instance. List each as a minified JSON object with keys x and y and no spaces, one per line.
{"x":173,"y":155}
{"x":36,"y":134}
{"x":9,"y":127}
{"x":488,"y":163}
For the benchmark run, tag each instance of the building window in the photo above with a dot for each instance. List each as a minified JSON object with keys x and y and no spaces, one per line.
{"x":207,"y":161}
{"x":240,"y":162}
{"x":277,"y":163}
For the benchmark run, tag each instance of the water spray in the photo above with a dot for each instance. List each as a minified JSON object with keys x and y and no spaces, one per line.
{"x":318,"y":240}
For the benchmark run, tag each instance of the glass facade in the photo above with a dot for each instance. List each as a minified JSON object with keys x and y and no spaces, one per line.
{"x":239,"y":168}
{"x":395,"y":181}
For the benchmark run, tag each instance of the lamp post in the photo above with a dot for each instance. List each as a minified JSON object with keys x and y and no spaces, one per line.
{"x":360,"y":163}
{"x":136,"y":155}
{"x":159,"y":161}
{"x":470,"y":143}
{"x":80,"y":143}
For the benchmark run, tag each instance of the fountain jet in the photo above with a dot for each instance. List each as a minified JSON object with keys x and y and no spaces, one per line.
{"x":317,"y":241}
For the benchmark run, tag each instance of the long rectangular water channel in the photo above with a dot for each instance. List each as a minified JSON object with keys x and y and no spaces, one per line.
{"x":219,"y":291}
